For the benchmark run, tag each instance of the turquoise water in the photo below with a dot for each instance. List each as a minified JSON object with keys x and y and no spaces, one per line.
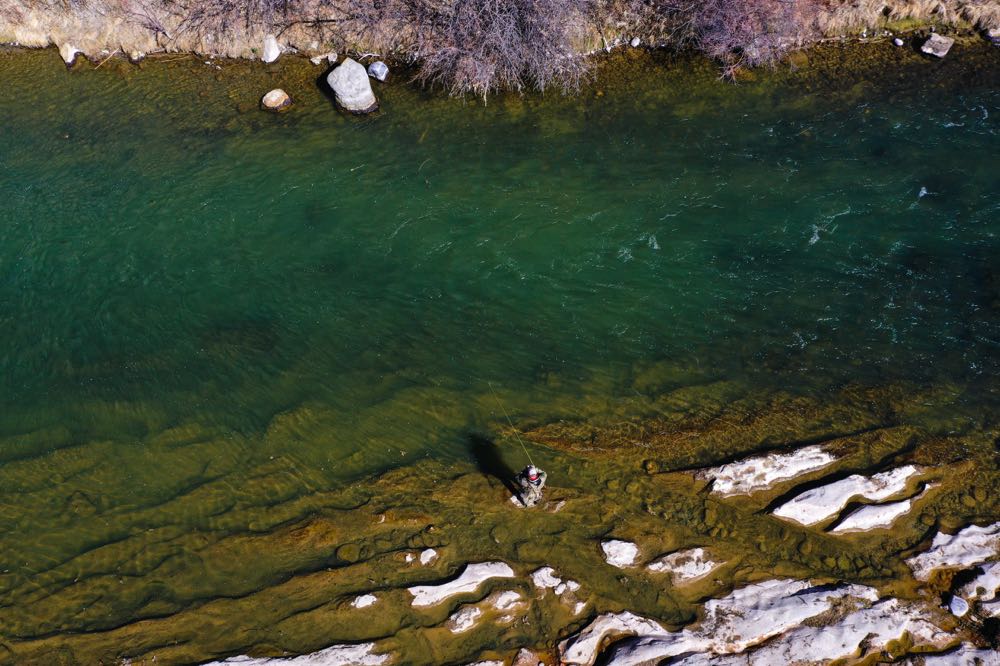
{"x":173,"y":259}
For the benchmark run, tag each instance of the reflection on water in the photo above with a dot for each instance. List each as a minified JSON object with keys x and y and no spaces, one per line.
{"x":216,"y":322}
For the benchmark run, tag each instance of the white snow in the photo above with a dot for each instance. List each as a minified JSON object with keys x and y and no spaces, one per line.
{"x":584,"y":647}
{"x":620,"y":554}
{"x":428,"y":556}
{"x":684,"y":565}
{"x":990,"y":608}
{"x":985,"y":586}
{"x":819,"y":504}
{"x":967,"y":547}
{"x":335,"y":655}
{"x":874,"y":626}
{"x":469,"y":581}
{"x":464,"y":619}
{"x":877,"y":516}
{"x":745,"y":617}
{"x":491,"y":662}
{"x":506,"y":600}
{"x":758,"y":473}
{"x":965,"y":655}
{"x":409,"y":557}
{"x":545,"y":577}
{"x":364,"y":601}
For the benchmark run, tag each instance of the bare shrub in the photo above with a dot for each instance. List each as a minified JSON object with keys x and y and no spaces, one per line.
{"x":741,"y":33}
{"x":482,"y":46}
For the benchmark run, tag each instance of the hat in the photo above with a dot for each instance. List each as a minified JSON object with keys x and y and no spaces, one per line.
{"x":532,"y":472}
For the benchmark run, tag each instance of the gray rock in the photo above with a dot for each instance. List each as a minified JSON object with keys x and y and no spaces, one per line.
{"x":897,"y":41}
{"x":937,"y":45}
{"x":993,"y":34}
{"x":378,"y":70}
{"x":68,"y":53}
{"x":272,"y":51}
{"x":352,"y":88}
{"x":635,"y":42}
{"x":276,"y":100}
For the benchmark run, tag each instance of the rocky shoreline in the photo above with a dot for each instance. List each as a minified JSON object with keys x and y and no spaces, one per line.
{"x":138,"y":30}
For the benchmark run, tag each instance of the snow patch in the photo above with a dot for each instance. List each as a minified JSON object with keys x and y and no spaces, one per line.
{"x":874,"y":627}
{"x":620,"y":554}
{"x":464,"y":619}
{"x":746,"y":617}
{"x":335,"y":655}
{"x":470,"y":580}
{"x":877,"y":516}
{"x":684,"y":565}
{"x":364,"y":601}
{"x":428,"y":556}
{"x":819,"y":504}
{"x":965,"y":655}
{"x":761,"y":472}
{"x":545,"y":578}
{"x":985,"y":586}
{"x":967,"y":547}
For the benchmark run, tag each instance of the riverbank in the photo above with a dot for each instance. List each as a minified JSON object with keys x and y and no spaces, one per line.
{"x":540,"y":45}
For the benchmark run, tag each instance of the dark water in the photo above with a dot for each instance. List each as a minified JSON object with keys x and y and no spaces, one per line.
{"x":178,"y":266}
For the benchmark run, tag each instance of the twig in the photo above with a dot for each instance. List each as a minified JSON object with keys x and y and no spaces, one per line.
{"x":107,"y":59}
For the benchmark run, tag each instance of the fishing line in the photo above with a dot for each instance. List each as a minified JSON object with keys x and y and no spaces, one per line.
{"x":500,"y":405}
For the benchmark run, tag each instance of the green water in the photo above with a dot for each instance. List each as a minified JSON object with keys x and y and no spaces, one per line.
{"x":191,"y":288}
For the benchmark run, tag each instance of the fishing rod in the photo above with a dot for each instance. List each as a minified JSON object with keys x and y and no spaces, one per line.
{"x":500,"y":405}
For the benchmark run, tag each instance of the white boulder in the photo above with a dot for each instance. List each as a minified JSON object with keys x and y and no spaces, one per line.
{"x":635,"y":42}
{"x":378,"y":70}
{"x":937,"y":45}
{"x":272,"y":51}
{"x":68,"y":53}
{"x":276,"y":100}
{"x":897,"y":41}
{"x":352,"y":88}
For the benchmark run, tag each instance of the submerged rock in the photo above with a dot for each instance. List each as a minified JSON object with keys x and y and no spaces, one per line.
{"x":937,"y":45}
{"x":378,"y":70}
{"x":352,"y":88}
{"x":68,"y":52}
{"x":272,"y":51}
{"x":276,"y":100}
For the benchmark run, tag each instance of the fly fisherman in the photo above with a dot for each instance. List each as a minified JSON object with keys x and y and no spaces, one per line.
{"x":530,"y":482}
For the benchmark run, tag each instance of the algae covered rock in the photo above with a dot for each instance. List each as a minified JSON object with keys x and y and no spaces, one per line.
{"x":352,"y":88}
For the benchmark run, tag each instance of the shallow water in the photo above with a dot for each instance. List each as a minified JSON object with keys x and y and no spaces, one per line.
{"x":216,"y":319}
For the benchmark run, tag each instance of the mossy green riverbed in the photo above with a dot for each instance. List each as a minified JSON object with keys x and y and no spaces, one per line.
{"x":247,"y":358}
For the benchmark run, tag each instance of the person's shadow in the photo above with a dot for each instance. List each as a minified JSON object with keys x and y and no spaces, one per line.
{"x":488,"y":460}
